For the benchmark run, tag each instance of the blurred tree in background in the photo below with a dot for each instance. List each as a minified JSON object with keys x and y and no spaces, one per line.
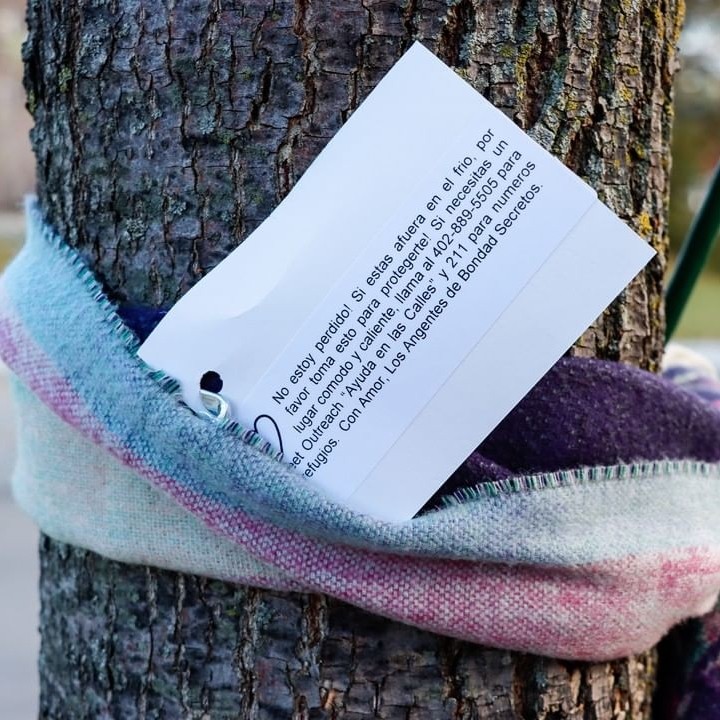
{"x":696,"y":137}
{"x":16,"y":163}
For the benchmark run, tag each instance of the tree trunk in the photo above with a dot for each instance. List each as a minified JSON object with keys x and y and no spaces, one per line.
{"x":164,"y":134}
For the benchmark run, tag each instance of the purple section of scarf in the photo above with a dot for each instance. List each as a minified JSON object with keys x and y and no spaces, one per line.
{"x":592,"y":412}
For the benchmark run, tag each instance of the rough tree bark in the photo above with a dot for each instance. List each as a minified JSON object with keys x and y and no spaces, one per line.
{"x":164,"y":134}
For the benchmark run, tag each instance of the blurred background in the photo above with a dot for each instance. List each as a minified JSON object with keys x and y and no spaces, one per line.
{"x":696,"y":149}
{"x":16,"y":163}
{"x":19,"y":605}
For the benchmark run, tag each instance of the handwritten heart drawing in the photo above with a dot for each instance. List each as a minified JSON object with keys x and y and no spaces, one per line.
{"x":268,"y":434}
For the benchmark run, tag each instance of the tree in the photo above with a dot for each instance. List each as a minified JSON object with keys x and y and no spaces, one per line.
{"x":164,"y":134}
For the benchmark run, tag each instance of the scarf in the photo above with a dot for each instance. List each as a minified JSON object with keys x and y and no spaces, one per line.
{"x":584,"y":527}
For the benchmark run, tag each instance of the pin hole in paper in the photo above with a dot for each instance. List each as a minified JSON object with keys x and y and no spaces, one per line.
{"x":211,"y":381}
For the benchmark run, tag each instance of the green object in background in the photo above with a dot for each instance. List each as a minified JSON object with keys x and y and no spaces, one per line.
{"x":693,"y":255}
{"x":701,"y":318}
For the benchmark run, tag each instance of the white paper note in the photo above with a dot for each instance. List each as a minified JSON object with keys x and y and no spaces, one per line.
{"x":377,"y":324}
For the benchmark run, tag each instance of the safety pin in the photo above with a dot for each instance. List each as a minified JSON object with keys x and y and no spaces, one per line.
{"x":216,"y":406}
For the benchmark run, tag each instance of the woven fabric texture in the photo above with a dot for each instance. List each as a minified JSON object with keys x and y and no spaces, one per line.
{"x":584,"y":527}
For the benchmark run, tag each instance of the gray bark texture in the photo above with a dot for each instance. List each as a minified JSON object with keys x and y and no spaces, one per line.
{"x":165,"y":132}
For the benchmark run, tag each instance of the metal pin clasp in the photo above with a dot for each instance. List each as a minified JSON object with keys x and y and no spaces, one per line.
{"x":216,"y":406}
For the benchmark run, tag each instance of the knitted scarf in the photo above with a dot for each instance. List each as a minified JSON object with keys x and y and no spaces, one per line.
{"x":584,"y":527}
